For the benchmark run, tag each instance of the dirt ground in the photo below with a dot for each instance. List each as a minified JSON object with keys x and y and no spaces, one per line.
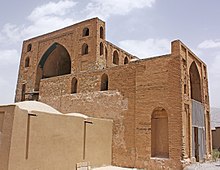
{"x":195,"y":166}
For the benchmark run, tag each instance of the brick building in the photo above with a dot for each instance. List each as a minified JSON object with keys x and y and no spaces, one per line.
{"x":160,"y":105}
{"x":216,"y":138}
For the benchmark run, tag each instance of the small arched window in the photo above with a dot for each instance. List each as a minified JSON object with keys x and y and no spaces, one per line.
{"x":115,"y":58}
{"x":101,"y":48}
{"x":29,"y":47}
{"x":85,"y":49}
{"x":101,"y":32}
{"x":85,"y":32}
{"x":104,"y":82}
{"x":106,"y":53}
{"x":74,"y":85}
{"x":126,"y":60}
{"x":27,"y":62}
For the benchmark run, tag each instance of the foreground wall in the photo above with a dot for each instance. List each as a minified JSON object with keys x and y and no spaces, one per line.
{"x":53,"y":141}
{"x":6,"y":125}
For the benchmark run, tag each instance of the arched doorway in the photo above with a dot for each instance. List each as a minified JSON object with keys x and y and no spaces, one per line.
{"x":198,"y":114}
{"x":159,"y":133}
{"x":104,"y":82}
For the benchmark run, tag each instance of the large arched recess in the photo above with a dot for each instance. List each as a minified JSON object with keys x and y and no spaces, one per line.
{"x":195,"y":83}
{"x":54,"y":62}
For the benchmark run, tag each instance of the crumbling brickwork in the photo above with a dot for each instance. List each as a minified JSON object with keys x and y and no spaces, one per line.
{"x":150,"y":100}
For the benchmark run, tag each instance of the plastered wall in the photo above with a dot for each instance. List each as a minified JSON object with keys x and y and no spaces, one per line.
{"x":41,"y":140}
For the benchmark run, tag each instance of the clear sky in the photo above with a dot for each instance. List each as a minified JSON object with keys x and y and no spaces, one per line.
{"x":142,"y":27}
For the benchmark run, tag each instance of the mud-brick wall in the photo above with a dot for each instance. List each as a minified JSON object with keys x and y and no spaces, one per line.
{"x":135,"y":90}
{"x":158,"y":86}
{"x":117,"y":103}
{"x":71,"y":39}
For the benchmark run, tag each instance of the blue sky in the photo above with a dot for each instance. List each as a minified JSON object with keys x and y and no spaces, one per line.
{"x":142,"y":27}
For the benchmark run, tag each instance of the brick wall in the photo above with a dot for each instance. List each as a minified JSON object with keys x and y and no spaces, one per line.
{"x":135,"y":90}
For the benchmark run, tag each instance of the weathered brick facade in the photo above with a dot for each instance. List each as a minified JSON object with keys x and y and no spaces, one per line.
{"x":150,"y":100}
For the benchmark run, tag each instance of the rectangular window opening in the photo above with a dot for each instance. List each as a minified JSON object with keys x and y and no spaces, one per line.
{"x":23,"y":90}
{"x":2,"y":115}
{"x":184,"y":88}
